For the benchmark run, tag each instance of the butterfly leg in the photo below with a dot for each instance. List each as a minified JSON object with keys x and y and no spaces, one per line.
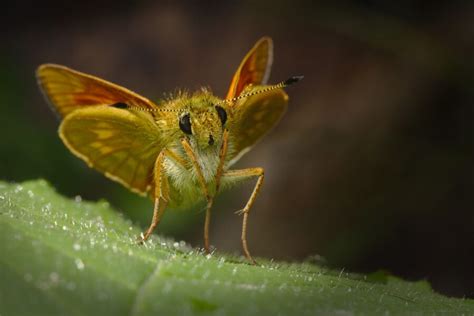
{"x":234,"y":176}
{"x":161,"y":195}
{"x":222,"y":154}
{"x":202,"y":182}
{"x":207,"y":224}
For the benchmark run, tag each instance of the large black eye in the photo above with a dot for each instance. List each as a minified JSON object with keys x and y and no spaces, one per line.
{"x":185,"y":124}
{"x":222,"y":114}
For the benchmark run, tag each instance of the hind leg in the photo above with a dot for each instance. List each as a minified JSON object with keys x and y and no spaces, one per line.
{"x":236,"y":176}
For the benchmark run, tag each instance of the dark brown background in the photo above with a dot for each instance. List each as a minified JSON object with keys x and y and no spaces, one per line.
{"x":371,"y":168}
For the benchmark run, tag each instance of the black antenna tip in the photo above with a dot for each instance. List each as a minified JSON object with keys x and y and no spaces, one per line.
{"x":292,"y":80}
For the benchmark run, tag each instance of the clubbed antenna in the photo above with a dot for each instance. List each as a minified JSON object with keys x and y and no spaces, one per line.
{"x":292,"y":80}
{"x":288,"y":82}
{"x":283,"y":84}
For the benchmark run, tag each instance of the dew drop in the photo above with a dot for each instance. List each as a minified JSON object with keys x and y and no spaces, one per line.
{"x":221,"y":262}
{"x":46,"y":208}
{"x":79,"y":264}
{"x":104,"y":204}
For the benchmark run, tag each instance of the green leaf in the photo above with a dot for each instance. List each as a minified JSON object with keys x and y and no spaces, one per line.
{"x":70,"y":257}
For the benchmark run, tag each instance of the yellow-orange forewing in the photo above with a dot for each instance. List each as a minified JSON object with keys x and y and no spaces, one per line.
{"x":121,"y":144}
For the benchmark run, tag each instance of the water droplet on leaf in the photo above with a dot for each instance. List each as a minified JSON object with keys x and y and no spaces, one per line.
{"x":79,"y":264}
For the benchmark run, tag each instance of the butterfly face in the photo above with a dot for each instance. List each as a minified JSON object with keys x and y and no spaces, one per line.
{"x":203,"y":122}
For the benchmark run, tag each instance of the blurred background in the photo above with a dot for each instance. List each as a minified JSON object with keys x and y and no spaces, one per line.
{"x":372,"y":166}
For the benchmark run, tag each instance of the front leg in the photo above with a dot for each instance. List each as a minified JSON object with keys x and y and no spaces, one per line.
{"x":210,"y":198}
{"x":160,"y":195}
{"x":235,"y":176}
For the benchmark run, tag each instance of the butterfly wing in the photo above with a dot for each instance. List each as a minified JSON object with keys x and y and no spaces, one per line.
{"x":254,"y":68}
{"x":253,"y":117}
{"x":122,"y":144}
{"x":67,"y":90}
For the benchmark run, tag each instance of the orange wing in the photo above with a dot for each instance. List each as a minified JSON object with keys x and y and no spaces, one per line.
{"x":254,"y":68}
{"x":119,"y":143}
{"x":253,"y":118}
{"x":67,"y":90}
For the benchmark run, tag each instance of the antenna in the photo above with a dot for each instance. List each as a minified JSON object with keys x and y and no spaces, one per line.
{"x":283,"y":84}
{"x":288,"y":82}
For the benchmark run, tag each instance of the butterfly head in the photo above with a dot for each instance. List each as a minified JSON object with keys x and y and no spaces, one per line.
{"x":203,"y":121}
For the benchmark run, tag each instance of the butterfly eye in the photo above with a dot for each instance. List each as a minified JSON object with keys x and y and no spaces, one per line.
{"x":222,"y":114}
{"x":120,"y":105}
{"x":185,"y":124}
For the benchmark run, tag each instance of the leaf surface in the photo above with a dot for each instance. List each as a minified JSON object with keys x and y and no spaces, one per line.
{"x":66,"y":256}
